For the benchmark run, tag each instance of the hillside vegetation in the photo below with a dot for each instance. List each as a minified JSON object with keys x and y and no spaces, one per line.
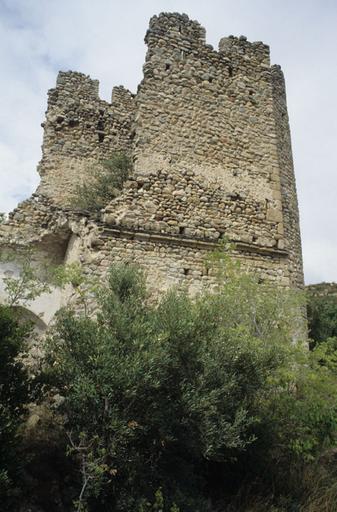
{"x":186,"y":405}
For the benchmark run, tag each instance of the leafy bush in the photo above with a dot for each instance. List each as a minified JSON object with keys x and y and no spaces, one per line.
{"x":28,"y":285}
{"x":190,"y":396}
{"x":104,"y":183}
{"x":322,"y":317}
{"x":13,"y":396}
{"x":202,"y":404}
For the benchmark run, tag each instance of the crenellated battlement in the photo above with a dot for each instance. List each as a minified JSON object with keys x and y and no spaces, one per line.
{"x":238,"y":49}
{"x":77,"y":83}
{"x":173,"y":31}
{"x":122,"y":101}
{"x":80,"y":131}
{"x":175,"y":27}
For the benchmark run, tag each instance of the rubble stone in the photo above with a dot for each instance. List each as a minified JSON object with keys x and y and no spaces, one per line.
{"x":209,"y":137}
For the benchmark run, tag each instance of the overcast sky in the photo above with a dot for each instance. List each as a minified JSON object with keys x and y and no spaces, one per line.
{"x":104,"y":38}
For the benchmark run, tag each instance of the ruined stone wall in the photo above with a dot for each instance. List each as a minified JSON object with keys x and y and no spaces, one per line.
{"x":288,"y":196}
{"x":207,"y":121}
{"x":212,"y":145}
{"x":168,"y":262}
{"x":208,"y":133}
{"x":322,"y":289}
{"x":180,"y":210}
{"x":80,"y":131}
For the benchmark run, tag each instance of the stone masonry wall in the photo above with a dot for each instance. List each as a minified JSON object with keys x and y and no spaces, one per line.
{"x":212,"y":145}
{"x":209,"y":137}
{"x":288,"y":197}
{"x":207,"y":120}
{"x":80,"y":131}
{"x":167,"y":261}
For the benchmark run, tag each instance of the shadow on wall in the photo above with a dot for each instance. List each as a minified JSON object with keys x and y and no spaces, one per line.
{"x":25,"y":315}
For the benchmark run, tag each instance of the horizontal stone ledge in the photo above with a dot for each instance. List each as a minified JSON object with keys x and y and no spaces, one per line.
{"x":244,"y":247}
{"x":189,"y":242}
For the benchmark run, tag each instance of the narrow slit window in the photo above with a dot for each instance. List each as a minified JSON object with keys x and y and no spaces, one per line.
{"x":100,"y":130}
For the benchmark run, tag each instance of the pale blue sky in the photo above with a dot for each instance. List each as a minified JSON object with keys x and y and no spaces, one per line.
{"x":104,"y":38}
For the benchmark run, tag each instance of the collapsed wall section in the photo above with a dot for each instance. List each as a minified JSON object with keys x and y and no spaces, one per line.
{"x":80,"y":131}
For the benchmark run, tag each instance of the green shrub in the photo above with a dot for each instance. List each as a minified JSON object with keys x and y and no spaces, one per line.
{"x":322,"y":317}
{"x":103,"y":183}
{"x":193,"y":397}
{"x":13,"y":396}
{"x":28,"y":285}
{"x":186,"y":405}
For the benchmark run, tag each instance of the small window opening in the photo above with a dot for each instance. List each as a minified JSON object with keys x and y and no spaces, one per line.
{"x":73,"y":122}
{"x":167,"y":66}
{"x":230,"y":71}
{"x":251,"y":93}
{"x":210,"y":79}
{"x":181,"y":230}
{"x":187,"y":271}
{"x":100,"y":130}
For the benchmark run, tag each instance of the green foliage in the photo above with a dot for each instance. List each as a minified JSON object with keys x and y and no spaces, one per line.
{"x":220,"y":262}
{"x":74,"y":275}
{"x":2,"y":218}
{"x":27,"y":286}
{"x":69,"y":274}
{"x":167,"y":396}
{"x":13,"y":395}
{"x":104,"y":183}
{"x":158,"y":505}
{"x":322,"y":317}
{"x":187,"y":405}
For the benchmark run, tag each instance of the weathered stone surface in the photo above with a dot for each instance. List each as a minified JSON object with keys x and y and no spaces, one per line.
{"x":209,"y":136}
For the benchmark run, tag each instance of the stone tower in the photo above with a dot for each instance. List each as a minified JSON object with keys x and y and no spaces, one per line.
{"x":209,"y":136}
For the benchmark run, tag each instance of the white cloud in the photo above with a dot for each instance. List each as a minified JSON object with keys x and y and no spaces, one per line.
{"x":105,"y":39}
{"x":11,"y":166}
